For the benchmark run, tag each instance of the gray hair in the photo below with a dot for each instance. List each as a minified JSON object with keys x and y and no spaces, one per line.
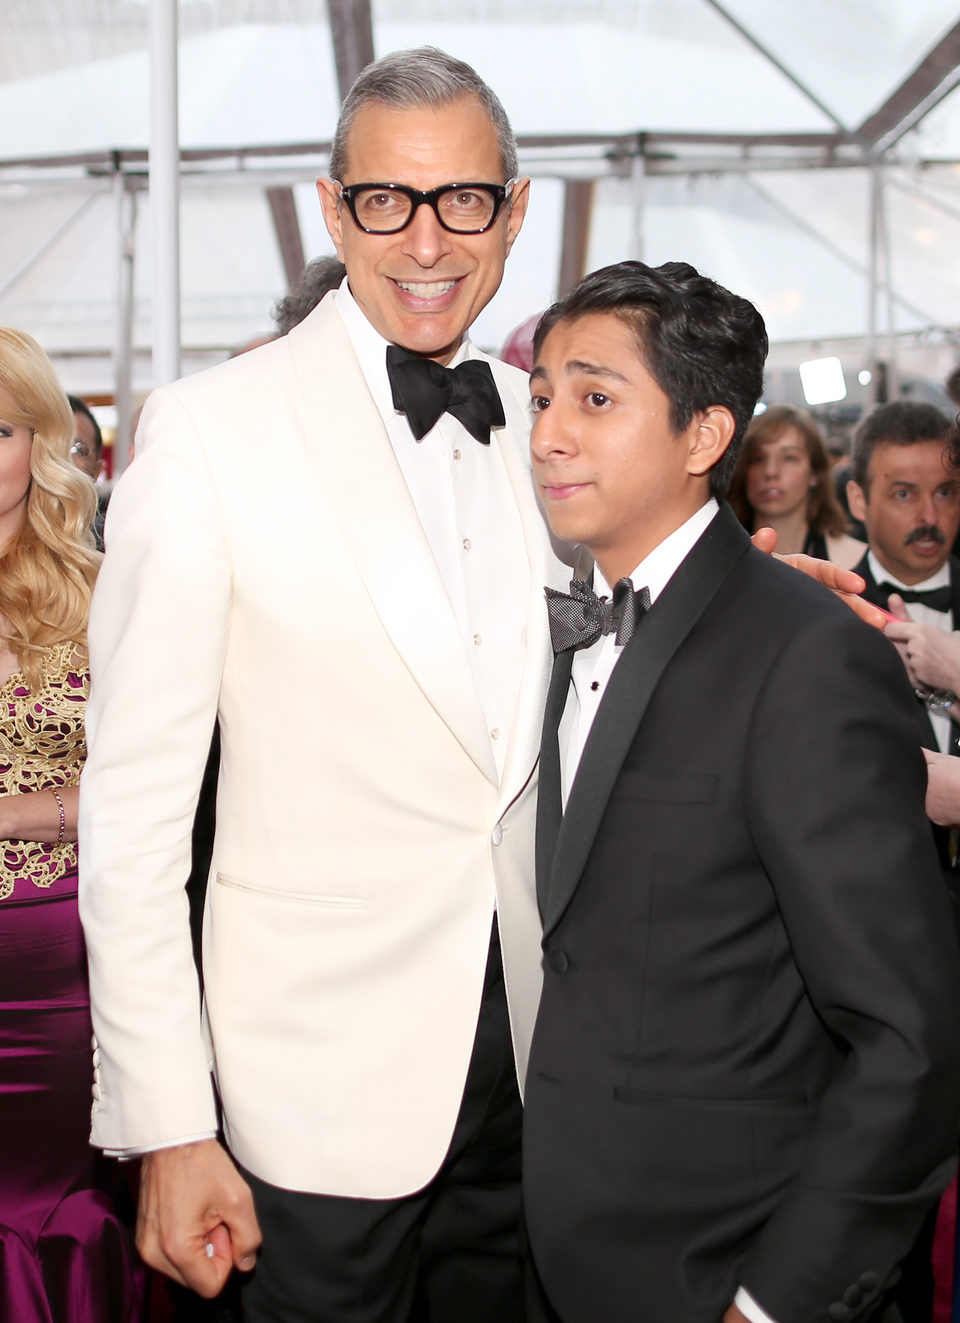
{"x":423,"y":77}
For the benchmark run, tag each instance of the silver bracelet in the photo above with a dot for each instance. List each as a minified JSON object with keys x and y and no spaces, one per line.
{"x":63,"y":816}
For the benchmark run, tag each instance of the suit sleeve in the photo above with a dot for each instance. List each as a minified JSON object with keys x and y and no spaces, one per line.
{"x":157,"y":637}
{"x":836,"y":808}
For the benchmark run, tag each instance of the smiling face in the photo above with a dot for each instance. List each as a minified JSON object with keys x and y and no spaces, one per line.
{"x":424,"y":287}
{"x":779,"y":475}
{"x":611,"y":471}
{"x":910,"y":508}
{"x":16,"y":443}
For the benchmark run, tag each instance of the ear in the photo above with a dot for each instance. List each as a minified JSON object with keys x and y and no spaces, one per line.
{"x":710,"y":434}
{"x":331,"y":205}
{"x":857,"y":500}
{"x":518,"y":209}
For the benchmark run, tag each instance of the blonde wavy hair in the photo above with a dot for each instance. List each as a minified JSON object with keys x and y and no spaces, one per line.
{"x":48,"y":568}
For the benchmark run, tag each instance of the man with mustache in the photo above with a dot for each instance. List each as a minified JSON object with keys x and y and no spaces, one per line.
{"x":907,"y":493}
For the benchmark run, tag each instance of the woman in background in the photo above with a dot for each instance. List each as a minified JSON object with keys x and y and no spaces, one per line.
{"x":65,"y":1257}
{"x":783,"y":481}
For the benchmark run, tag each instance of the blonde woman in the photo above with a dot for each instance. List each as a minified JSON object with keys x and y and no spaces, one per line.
{"x":783,"y":481}
{"x":65,"y":1254}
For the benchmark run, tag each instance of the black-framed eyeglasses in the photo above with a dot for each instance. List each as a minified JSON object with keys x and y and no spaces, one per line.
{"x":460,"y":208}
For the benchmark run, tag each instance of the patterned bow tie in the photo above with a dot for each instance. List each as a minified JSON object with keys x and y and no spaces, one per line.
{"x":579,"y":619}
{"x":423,"y":390}
{"x":938,"y":599}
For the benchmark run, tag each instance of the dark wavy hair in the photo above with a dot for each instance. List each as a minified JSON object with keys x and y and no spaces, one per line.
{"x":824,"y":511}
{"x":899,"y":423}
{"x":702,"y":345}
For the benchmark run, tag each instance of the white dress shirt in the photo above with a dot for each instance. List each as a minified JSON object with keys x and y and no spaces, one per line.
{"x":924,"y":615}
{"x":590,"y":675}
{"x":468,"y":513}
{"x":593,"y":666}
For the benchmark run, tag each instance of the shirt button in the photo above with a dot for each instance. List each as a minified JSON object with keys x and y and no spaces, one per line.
{"x":467,"y":544}
{"x":456,"y":454}
{"x":497,"y":834}
{"x":477,"y":640}
{"x":495,"y":733}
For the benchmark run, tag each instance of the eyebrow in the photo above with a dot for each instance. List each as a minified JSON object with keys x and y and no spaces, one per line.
{"x":580,"y":367}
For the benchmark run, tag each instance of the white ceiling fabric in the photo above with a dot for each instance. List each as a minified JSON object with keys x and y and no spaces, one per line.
{"x":253,"y":73}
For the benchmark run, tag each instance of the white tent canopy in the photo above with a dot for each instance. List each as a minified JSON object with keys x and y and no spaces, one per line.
{"x":747,"y":137}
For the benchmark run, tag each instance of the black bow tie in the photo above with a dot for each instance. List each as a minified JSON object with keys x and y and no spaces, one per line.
{"x":423,"y":390}
{"x":938,"y":599}
{"x":579,"y":619}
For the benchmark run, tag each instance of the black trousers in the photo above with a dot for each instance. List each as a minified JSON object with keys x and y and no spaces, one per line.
{"x":447,"y":1254}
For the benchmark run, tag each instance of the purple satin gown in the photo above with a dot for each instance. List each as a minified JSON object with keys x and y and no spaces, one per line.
{"x":65,"y":1255}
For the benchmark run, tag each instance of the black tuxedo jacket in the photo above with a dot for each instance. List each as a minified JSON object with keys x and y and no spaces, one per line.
{"x":745,"y":1067}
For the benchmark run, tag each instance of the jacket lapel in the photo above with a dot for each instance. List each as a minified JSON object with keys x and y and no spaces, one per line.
{"x":954,"y":567}
{"x":549,"y":802}
{"x":635,"y":677}
{"x":349,"y":446}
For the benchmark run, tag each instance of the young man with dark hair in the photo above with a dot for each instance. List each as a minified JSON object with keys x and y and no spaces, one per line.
{"x":743,"y":1084}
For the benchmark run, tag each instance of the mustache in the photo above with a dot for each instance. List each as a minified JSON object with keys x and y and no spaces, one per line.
{"x":925,"y":533}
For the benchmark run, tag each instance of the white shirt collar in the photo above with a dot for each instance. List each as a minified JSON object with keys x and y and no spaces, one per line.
{"x":657,"y":569}
{"x":939,"y":580}
{"x":371,"y":350}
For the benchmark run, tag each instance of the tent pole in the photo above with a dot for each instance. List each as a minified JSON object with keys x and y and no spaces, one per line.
{"x":126,"y":230}
{"x":638,"y":179}
{"x":871,"y":344}
{"x":893,"y":385}
{"x":164,"y":171}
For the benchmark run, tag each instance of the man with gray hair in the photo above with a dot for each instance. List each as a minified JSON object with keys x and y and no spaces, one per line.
{"x":366,"y":617}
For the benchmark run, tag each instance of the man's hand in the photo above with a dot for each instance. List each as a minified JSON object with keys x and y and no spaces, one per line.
{"x":847,"y":585}
{"x":192,"y":1197}
{"x":931,"y":655}
{"x":943,"y":788}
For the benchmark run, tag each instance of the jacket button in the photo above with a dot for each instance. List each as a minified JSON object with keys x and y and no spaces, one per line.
{"x":558,"y":962}
{"x":853,"y":1296}
{"x":838,"y":1311}
{"x":869,"y":1281}
{"x":497,"y":834}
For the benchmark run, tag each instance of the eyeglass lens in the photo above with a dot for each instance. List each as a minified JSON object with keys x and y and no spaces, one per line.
{"x":460,"y":209}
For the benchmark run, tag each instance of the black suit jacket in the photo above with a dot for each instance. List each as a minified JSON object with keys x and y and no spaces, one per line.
{"x":745,"y":1066}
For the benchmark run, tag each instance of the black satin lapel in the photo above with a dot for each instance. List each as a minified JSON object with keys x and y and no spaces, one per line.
{"x":954,"y":567}
{"x":634,"y":679}
{"x":872,"y":591}
{"x":549,"y":805}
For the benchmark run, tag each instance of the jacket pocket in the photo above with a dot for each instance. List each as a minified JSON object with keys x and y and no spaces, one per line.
{"x":641,"y":1098}
{"x":661,"y":788}
{"x":311,"y":897}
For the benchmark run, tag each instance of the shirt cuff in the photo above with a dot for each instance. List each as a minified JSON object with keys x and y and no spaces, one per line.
{"x":745,"y":1302}
{"x":128,"y":1154}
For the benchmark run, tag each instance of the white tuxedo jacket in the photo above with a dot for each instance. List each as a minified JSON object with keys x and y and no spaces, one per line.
{"x":266,"y":562}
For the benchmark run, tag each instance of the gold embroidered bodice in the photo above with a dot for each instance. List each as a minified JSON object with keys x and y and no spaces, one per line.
{"x":41,"y":745}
